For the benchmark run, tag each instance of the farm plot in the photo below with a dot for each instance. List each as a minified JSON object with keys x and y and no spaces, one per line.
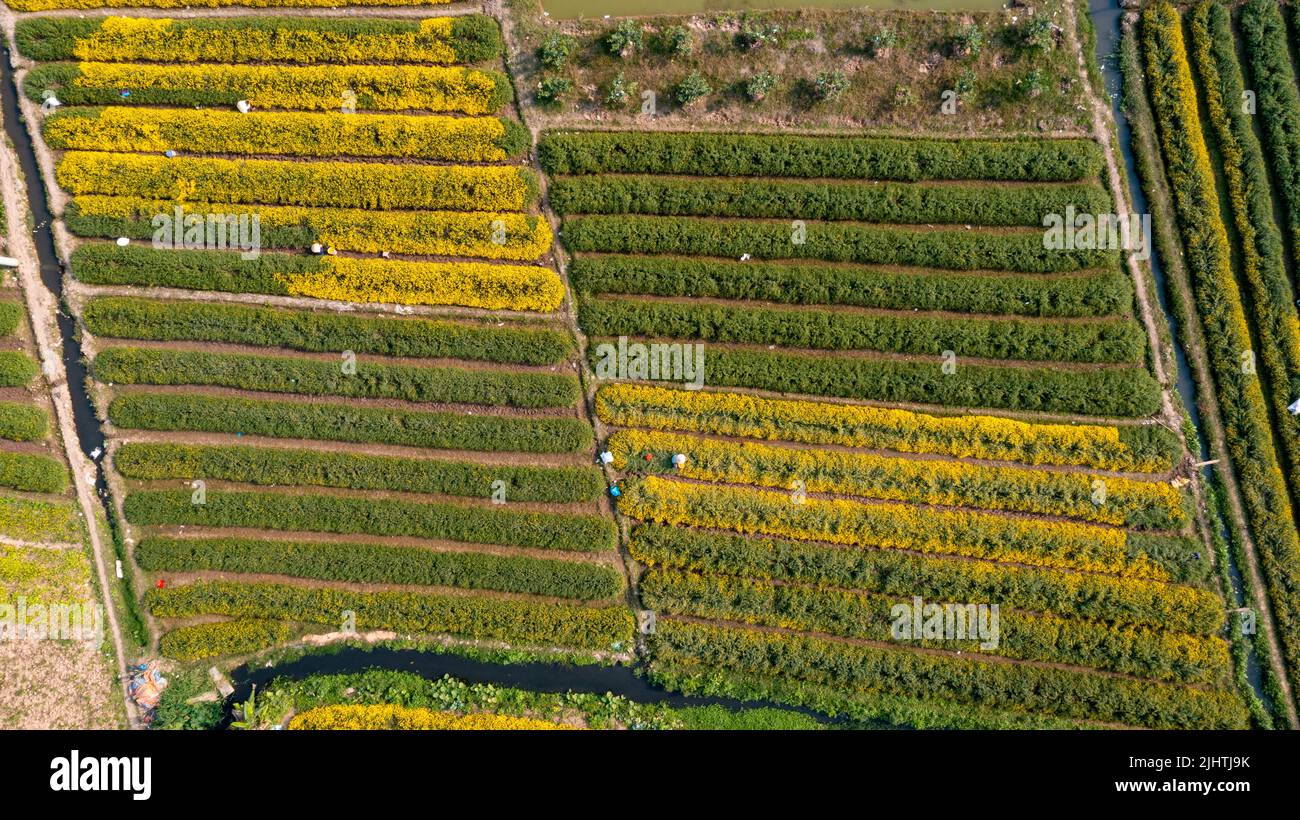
{"x":658,"y":222}
{"x":308,"y":466}
{"x":781,"y":532}
{"x":1224,"y":181}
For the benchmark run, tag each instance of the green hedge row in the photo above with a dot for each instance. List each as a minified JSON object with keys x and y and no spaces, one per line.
{"x":1119,"y":340}
{"x":1227,"y":335}
{"x":1093,"y":293}
{"x":1278,"y":98}
{"x":892,"y":572}
{"x":1060,"y":692}
{"x":280,"y":374}
{"x":214,"y":640}
{"x":17,"y":369}
{"x":224,"y":271}
{"x":870,"y":709}
{"x":373,"y":516}
{"x":341,"y":422}
{"x":884,"y":158}
{"x":32,"y":473}
{"x":1121,"y":391}
{"x":522,"y":622}
{"x":11,"y":314}
{"x":22,"y":422}
{"x":1020,"y":251}
{"x":1139,"y":651}
{"x":128,"y":318}
{"x":374,"y":564}
{"x":900,"y":203}
{"x":474,"y":37}
{"x":274,"y":466}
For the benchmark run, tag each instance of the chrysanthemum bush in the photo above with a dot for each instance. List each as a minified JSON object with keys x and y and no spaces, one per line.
{"x":1149,"y":504}
{"x":469,"y":38}
{"x":302,"y":134}
{"x":469,"y":284}
{"x":517,"y":621}
{"x":305,"y":88}
{"x":1135,"y":448}
{"x":320,"y":184}
{"x":506,"y":236}
{"x":1135,"y":602}
{"x":889,"y":526}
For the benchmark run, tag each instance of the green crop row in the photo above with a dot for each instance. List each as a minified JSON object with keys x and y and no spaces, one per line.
{"x":22,"y":422}
{"x":1061,"y":692}
{"x":900,"y":203}
{"x":871,"y":708}
{"x":212,"y":640}
{"x":884,"y":158}
{"x":131,"y":318}
{"x":1118,"y":340}
{"x":375,"y":564}
{"x":1021,"y":251}
{"x":11,"y":315}
{"x":372,"y":516}
{"x":1139,"y":651}
{"x":17,"y":369}
{"x":32,"y":473}
{"x":1278,"y":98}
{"x":892,"y":572}
{"x":1094,"y":293}
{"x":346,"y":377}
{"x":318,"y":468}
{"x":523,"y":622}
{"x":1126,"y":391}
{"x":341,"y":422}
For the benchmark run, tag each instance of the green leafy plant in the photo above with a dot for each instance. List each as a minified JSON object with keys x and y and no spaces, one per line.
{"x":625,"y":39}
{"x":882,"y":41}
{"x":758,"y":85}
{"x":551,"y":91}
{"x":555,"y":50}
{"x":620,"y":90}
{"x":828,"y":86}
{"x":692,"y":88}
{"x":968,"y":41}
{"x":678,"y":42}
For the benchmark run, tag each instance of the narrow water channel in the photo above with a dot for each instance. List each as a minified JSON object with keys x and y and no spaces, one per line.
{"x":89,"y":434}
{"x":1106,"y":17}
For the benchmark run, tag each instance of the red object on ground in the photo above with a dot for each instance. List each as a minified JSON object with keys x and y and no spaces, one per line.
{"x":161,"y":583}
{"x":649,"y":457}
